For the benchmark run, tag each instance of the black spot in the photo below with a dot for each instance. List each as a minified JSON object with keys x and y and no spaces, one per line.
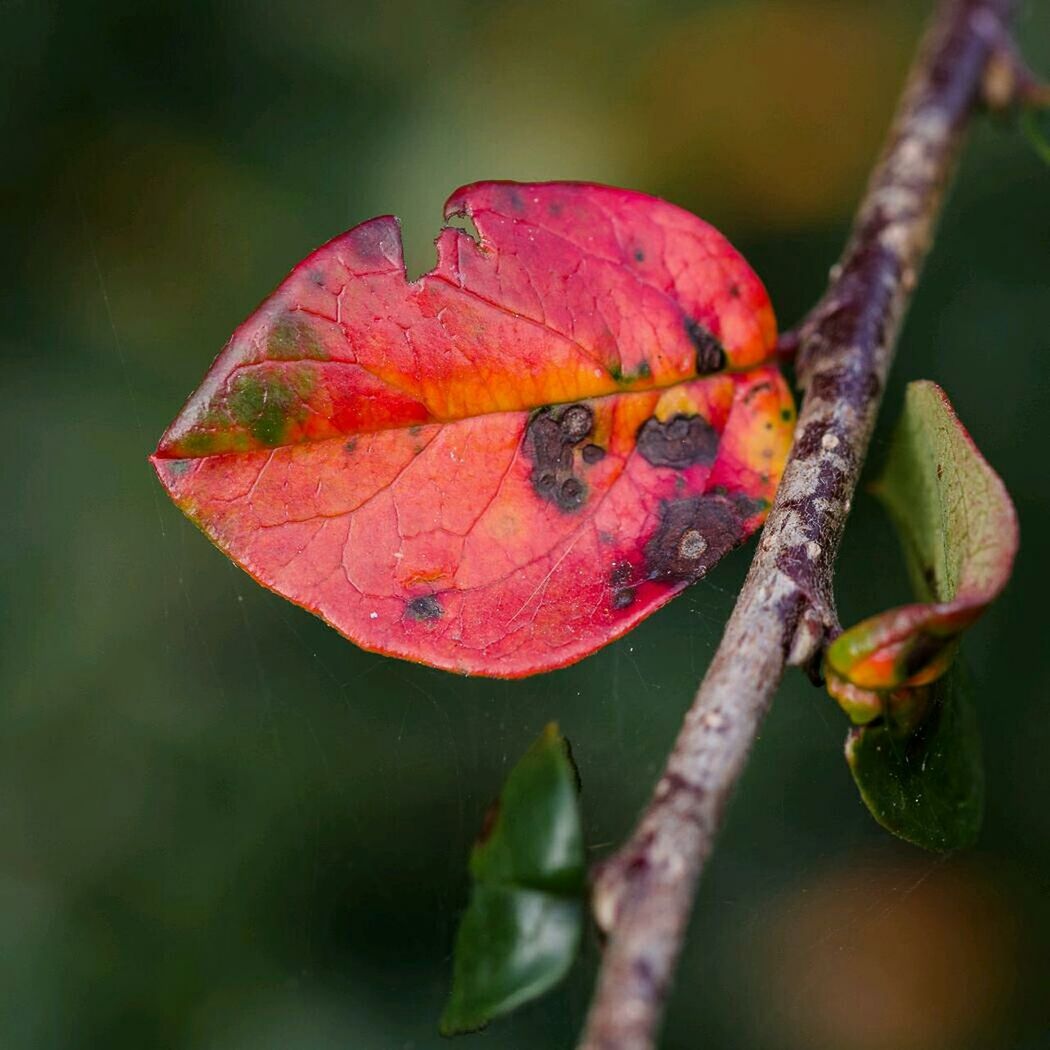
{"x":425,"y":607}
{"x":571,"y":493}
{"x":733,"y":291}
{"x":710,"y":354}
{"x":593,"y":453}
{"x":351,"y":445}
{"x":693,"y":534}
{"x":639,"y":255}
{"x":550,"y":440}
{"x":576,"y":422}
{"x":619,"y":578}
{"x":680,"y":442}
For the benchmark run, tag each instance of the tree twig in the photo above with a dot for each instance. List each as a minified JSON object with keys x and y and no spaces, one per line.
{"x":643,"y":894}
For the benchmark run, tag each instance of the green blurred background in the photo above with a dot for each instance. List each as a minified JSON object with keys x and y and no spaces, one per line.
{"x":221,"y":826}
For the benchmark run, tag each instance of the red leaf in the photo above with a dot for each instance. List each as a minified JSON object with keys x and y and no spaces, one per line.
{"x":508,"y":463}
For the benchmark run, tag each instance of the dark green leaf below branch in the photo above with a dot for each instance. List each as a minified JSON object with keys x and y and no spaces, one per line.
{"x":521,"y":931}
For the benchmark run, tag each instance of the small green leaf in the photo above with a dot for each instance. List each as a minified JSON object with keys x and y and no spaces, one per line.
{"x":522,"y":928}
{"x":958,"y":529}
{"x":926,"y":787}
{"x":1035,"y":122}
{"x":955,"y":518}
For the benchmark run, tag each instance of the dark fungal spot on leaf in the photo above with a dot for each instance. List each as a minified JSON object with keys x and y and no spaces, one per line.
{"x":425,"y":607}
{"x":620,"y":578}
{"x":639,"y":255}
{"x":710,"y":354}
{"x":351,"y":445}
{"x":571,"y":493}
{"x":693,"y":534}
{"x":593,"y":453}
{"x":680,"y":442}
{"x":576,"y":422}
{"x":733,"y":291}
{"x":550,"y":440}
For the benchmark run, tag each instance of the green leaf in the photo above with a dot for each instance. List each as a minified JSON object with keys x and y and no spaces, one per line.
{"x":522,"y":928}
{"x":958,"y":529}
{"x":955,"y":518}
{"x":926,"y":787}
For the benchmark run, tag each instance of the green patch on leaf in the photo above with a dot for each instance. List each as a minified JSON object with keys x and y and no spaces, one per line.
{"x":522,"y":928}
{"x":641,"y":373}
{"x":265,"y":403}
{"x":926,"y":787}
{"x":294,"y":337}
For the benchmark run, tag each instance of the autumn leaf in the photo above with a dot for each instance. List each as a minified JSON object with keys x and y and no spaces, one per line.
{"x":504,"y":465}
{"x":522,"y":928}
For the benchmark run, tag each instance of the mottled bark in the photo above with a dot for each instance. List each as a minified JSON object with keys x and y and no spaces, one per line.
{"x":643,"y":894}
